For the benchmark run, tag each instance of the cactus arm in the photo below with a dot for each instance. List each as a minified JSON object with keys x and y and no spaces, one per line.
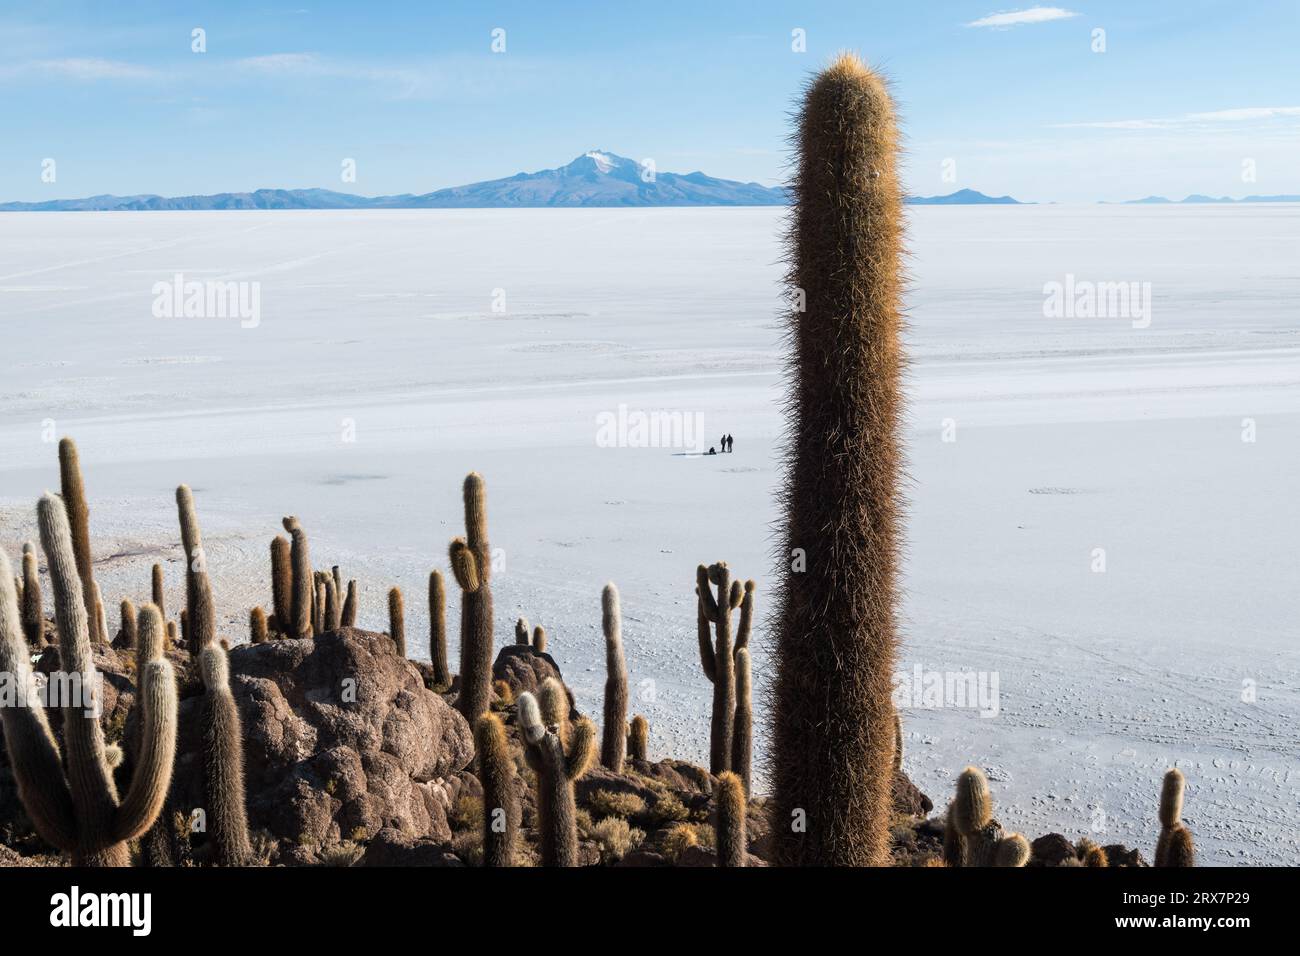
{"x":737,"y":595}
{"x":33,"y":752}
{"x":475,"y":495}
{"x":707,"y":660}
{"x":746,"y":616}
{"x":530,"y":718}
{"x":203,"y":614}
{"x":464,"y":566}
{"x":153,"y":771}
{"x":77,"y":512}
{"x":705,"y":591}
{"x":582,"y":747}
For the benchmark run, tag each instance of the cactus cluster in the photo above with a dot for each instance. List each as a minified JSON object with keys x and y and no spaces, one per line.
{"x":558,"y":764}
{"x":971,"y":836}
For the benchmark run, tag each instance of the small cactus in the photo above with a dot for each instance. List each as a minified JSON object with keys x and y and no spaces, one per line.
{"x":257,"y":629}
{"x":539,"y":639}
{"x":318,"y":606}
{"x":438,"y":629}
{"x":33,"y":611}
{"x":555,"y":704}
{"x":198,"y":590}
{"x":496,"y":772}
{"x":333,"y":604}
{"x":78,"y":511}
{"x":471,"y":563}
{"x":557,"y":769}
{"x":157,"y":590}
{"x":522,"y":634}
{"x":350,"y":606}
{"x":282,"y":584}
{"x":638,"y":738}
{"x":397,"y":621}
{"x":613,"y":739}
{"x":731,"y":820}
{"x":223,"y":761}
{"x":972,"y":837}
{"x":1175,"y":846}
{"x":304,"y":588}
{"x":127,"y":611}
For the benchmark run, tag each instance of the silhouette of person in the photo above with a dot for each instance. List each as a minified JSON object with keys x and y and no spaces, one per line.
{"x":730,"y":447}
{"x":712,"y":450}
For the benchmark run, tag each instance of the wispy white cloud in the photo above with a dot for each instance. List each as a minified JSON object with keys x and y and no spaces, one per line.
{"x":1192,"y":120}
{"x":1015,"y":18}
{"x":87,"y":69}
{"x":425,"y":79}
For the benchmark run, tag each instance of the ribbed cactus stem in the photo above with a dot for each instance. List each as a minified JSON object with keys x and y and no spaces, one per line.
{"x":539,"y":639}
{"x":614,"y":733}
{"x":836,"y":631}
{"x":732,"y":847}
{"x":438,"y":629}
{"x":127,"y":611}
{"x":223,"y":762}
{"x":33,"y":610}
{"x":157,"y":591}
{"x":397,"y":620}
{"x":556,"y":773}
{"x":471,"y":563}
{"x":282,"y":584}
{"x":638,"y":738}
{"x":198,"y":590}
{"x":78,"y":511}
{"x":304,"y":586}
{"x":496,"y":772}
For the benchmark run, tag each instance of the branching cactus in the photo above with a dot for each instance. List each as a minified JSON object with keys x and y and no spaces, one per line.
{"x":976,"y":838}
{"x":496,"y":772}
{"x":732,"y":847}
{"x":638,"y":738}
{"x":304,"y":586}
{"x":717,"y":655}
{"x":350,"y":606}
{"x":557,"y":769}
{"x":33,"y":608}
{"x":836,"y":638}
{"x":614,"y":734}
{"x":397,"y":621}
{"x":78,"y":510}
{"x":282,"y":584}
{"x":438,"y":629}
{"x":1175,"y":847}
{"x":202,"y":614}
{"x":471,"y":563}
{"x":79,"y":811}
{"x":223,"y":762}
{"x":157,"y":590}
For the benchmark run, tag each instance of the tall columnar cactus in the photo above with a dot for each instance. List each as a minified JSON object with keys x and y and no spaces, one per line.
{"x":282,"y":584}
{"x":614,"y":732}
{"x":638,"y":738}
{"x":556,"y":772}
{"x":471,"y":563}
{"x":223,"y":762}
{"x":1175,"y":847}
{"x":742,"y":734}
{"x":717,"y":655}
{"x":732,"y":846}
{"x":836,"y":635}
{"x":496,"y":772}
{"x":157,"y":591}
{"x":33,"y":610}
{"x":304,"y":586}
{"x":202,"y":611}
{"x":397,"y":620}
{"x":973,"y":837}
{"x":78,"y":509}
{"x":438,"y":629}
{"x":333,"y":604}
{"x":257,"y":629}
{"x":350,"y":606}
{"x":79,"y":812}
{"x":127,"y":610}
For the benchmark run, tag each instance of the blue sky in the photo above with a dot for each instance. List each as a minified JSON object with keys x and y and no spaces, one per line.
{"x":1185,"y":97}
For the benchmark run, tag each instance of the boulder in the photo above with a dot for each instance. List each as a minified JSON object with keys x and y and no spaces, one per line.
{"x":341,"y":740}
{"x":391,"y":847}
{"x":908,"y":800}
{"x":1051,"y":849}
{"x":524,"y":668}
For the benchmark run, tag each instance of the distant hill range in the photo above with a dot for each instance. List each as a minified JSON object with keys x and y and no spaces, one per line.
{"x":594,"y":179}
{"x":1161,"y":200}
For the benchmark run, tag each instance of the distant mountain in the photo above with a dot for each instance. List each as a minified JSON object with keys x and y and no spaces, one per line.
{"x":1196,"y":198}
{"x":963,"y":197}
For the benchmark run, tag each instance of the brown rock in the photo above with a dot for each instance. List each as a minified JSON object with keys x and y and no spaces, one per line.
{"x":1050,"y":850}
{"x":391,"y":847}
{"x":524,"y":669}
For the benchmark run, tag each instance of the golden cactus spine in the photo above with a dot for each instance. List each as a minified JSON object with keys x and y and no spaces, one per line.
{"x":223,"y":762}
{"x":257,"y":630}
{"x":732,"y":846}
{"x":496,"y":772}
{"x":638,"y":738}
{"x":836,"y":635}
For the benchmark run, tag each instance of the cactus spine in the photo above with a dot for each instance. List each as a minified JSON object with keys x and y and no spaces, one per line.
{"x":972,"y":837}
{"x":638,"y":738}
{"x":496,"y":771}
{"x":471,"y":563}
{"x":304,"y":588}
{"x":350,"y":606}
{"x":78,"y":511}
{"x":397,"y":620}
{"x":79,"y":812}
{"x":438,"y":629}
{"x":731,"y":820}
{"x":33,"y":611}
{"x":281,"y":584}
{"x":1175,"y":847}
{"x":556,"y":773}
{"x":127,"y":610}
{"x":223,"y":761}
{"x":257,"y":629}
{"x":718,"y":659}
{"x":836,"y":636}
{"x":614,"y":732}
{"x":202,"y":613}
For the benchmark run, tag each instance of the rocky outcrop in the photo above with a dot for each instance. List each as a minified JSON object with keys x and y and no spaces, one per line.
{"x":524,"y":668}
